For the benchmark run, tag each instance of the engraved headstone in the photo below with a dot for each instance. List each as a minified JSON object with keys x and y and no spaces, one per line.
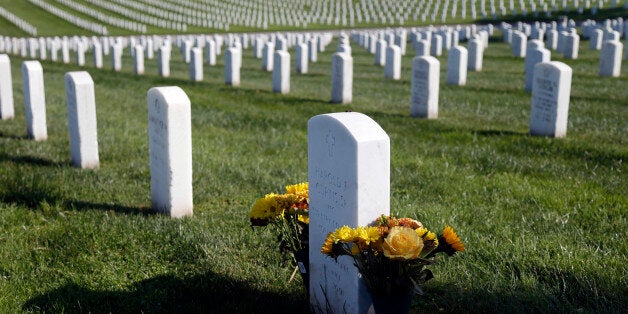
{"x":341,"y":78}
{"x":349,"y":179}
{"x":170,"y":146}
{"x":425,"y":80}
{"x":6,"y":89}
{"x":34,"y":100}
{"x":550,"y":99}
{"x":81,"y":106}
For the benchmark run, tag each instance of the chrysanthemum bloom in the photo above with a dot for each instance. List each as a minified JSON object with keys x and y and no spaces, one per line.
{"x":265,"y":209}
{"x":402,"y":243}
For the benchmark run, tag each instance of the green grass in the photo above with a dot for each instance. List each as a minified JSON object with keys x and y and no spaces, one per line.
{"x":543,"y":219}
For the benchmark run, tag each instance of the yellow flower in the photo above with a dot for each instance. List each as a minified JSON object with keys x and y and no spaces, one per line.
{"x":327,"y":246}
{"x":371,"y":234}
{"x":402,"y":243}
{"x":304,"y":218}
{"x":300,"y":189}
{"x":345,"y":234}
{"x":421,"y":231}
{"x":266,"y":208}
{"x":452,"y":239}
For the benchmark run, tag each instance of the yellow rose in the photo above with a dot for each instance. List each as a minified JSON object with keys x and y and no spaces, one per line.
{"x":402,"y":242}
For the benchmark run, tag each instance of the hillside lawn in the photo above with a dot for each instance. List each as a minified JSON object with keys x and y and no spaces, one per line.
{"x":543,"y":220}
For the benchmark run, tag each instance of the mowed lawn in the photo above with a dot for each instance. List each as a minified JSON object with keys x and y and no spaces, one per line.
{"x":543,"y":220}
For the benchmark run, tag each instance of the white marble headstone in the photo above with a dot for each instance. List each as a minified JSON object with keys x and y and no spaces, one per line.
{"x":80,"y":55}
{"x":6,"y":89}
{"x":196,"y":64}
{"x":571,"y":46}
{"x":34,"y":100}
{"x":138,"y":59}
{"x":425,"y":87}
{"x":341,"y":78}
{"x":170,"y":145}
{"x":267,"y":56}
{"x":163,"y":61}
{"x":312,"y":49}
{"x":476,"y":55}
{"x":380,"y":52}
{"x":392,"y":69}
{"x":519,"y":44}
{"x":211,"y":52}
{"x":534,"y":56}
{"x":457,"y":66}
{"x":97,"y":52}
{"x":81,"y":106}
{"x":349,"y":179}
{"x":436,"y":45}
{"x":232,"y":66}
{"x":422,"y":48}
{"x":281,"y":72}
{"x":301,"y":58}
{"x":116,"y":57}
{"x":551,"y":90}
{"x":610,"y":58}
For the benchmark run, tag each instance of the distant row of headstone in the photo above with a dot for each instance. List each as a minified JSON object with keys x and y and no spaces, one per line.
{"x":550,"y":82}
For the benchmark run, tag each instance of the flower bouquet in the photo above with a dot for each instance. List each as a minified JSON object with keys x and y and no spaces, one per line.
{"x":288,"y":213}
{"x":391,"y":255}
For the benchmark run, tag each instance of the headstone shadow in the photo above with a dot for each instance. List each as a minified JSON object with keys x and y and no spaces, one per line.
{"x":122,"y":209}
{"x":203,"y":293}
{"x":37,"y":161}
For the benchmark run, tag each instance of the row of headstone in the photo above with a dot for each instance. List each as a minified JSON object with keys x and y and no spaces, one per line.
{"x":81,"y":108}
{"x":169,"y":123}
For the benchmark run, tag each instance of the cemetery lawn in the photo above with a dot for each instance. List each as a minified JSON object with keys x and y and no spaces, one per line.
{"x":543,"y":220}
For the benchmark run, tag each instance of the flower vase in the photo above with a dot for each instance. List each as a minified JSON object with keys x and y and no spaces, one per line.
{"x":302,"y":258}
{"x":392,"y":304}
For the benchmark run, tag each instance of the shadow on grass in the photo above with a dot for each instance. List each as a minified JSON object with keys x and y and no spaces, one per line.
{"x":547,"y":290}
{"x":37,"y":161}
{"x":34,"y":193}
{"x":490,"y":133}
{"x":206,"y":293}
{"x":14,"y":137}
{"x":133,"y":210}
